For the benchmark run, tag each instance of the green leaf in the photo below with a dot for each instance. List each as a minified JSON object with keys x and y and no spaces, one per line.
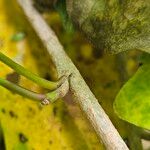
{"x":132,"y":104}
{"x":113,"y":25}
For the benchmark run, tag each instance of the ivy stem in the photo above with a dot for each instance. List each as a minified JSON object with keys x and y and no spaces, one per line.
{"x":134,"y":138}
{"x":20,"y":90}
{"x":144,"y":134}
{"x":45,"y":99}
{"x":31,"y":76}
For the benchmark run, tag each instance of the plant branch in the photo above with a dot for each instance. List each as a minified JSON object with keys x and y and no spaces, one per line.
{"x":43,"y":98}
{"x":26,"y":73}
{"x":78,"y":88}
{"x":21,"y":91}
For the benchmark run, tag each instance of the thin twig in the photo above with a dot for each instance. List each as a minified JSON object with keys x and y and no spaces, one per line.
{"x":78,"y":88}
{"x":26,"y":73}
{"x":45,"y":99}
{"x":21,"y":91}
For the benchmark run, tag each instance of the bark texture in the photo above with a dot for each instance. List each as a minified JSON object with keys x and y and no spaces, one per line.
{"x":78,"y":88}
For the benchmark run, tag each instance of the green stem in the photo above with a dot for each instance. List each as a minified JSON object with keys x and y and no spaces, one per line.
{"x":43,"y":98}
{"x":20,"y":90}
{"x":144,"y":134}
{"x":21,"y":70}
{"x":134,"y":138}
{"x":53,"y":96}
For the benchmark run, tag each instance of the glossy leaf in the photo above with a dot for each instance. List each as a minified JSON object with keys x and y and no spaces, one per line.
{"x":133,"y":101}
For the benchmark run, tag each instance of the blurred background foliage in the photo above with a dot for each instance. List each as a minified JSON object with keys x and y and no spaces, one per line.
{"x":26,"y":125}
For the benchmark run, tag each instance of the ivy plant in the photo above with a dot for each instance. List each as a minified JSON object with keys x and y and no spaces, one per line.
{"x":115,"y":26}
{"x":44,"y":98}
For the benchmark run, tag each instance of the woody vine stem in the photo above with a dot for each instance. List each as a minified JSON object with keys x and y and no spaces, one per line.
{"x":78,"y":88}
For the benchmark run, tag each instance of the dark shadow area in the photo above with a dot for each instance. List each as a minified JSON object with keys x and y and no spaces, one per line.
{"x":2,"y":142}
